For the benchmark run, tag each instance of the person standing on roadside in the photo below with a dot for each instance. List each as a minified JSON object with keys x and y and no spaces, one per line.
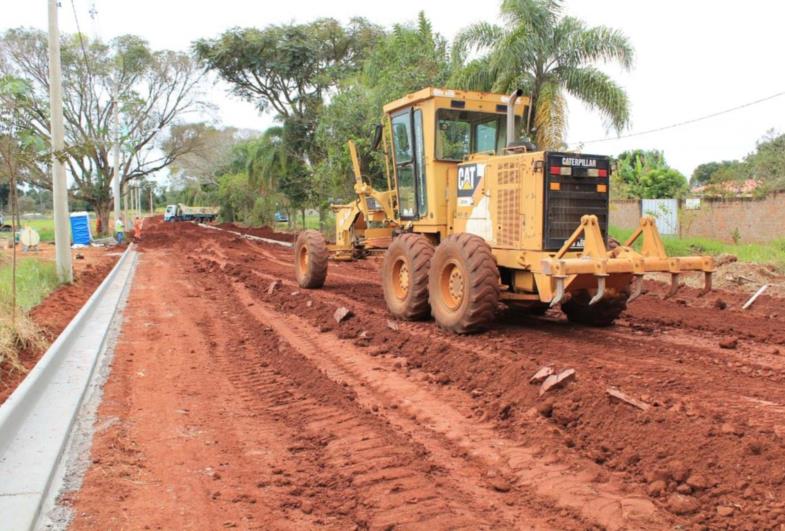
{"x":137,"y":228}
{"x":119,"y":230}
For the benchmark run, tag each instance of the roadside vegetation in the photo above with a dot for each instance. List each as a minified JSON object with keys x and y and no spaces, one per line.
{"x":34,"y":280}
{"x":759,"y":173}
{"x":771,"y":253}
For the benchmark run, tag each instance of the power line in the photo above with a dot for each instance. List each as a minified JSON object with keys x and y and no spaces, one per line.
{"x":81,"y":40}
{"x":680,"y":124}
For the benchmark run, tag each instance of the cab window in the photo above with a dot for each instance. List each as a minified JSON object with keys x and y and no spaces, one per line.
{"x":461,"y":133}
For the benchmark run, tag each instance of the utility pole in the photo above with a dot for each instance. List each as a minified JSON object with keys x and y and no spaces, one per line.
{"x":59,"y":184}
{"x":116,"y":178}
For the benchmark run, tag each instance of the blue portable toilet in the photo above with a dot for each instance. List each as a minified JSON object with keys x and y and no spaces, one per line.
{"x":80,"y":228}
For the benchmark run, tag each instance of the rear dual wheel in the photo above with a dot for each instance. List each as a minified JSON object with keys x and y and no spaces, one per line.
{"x":463,"y":284}
{"x":405,"y":276}
{"x":310,"y":259}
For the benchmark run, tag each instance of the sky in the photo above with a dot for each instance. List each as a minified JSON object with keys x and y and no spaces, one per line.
{"x":693,"y":58}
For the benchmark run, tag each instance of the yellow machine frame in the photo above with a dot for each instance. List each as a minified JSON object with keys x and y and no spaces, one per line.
{"x":535,"y":275}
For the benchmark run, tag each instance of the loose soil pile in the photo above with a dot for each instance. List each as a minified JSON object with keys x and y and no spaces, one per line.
{"x":262,"y":232}
{"x":241,"y":401}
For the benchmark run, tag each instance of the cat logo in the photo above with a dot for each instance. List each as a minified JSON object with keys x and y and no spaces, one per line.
{"x":466,"y":175}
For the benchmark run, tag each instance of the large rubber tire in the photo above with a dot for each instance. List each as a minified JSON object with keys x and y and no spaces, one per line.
{"x":310,"y":259}
{"x":604,"y":313}
{"x":463,"y":284}
{"x":405,"y":276}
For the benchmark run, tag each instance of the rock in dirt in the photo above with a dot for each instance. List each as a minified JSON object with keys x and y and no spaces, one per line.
{"x":557,"y":380}
{"x":541,"y":375}
{"x":682,"y":504}
{"x":273,"y":286}
{"x":698,"y":481}
{"x":545,"y":409}
{"x":615,"y":393}
{"x":498,"y":483}
{"x":730,"y":429}
{"x":678,"y":470}
{"x":341,"y":314}
{"x":723,"y":510}
{"x":656,"y":488}
{"x":442,"y":379}
{"x":392,"y":325}
{"x":729,"y":343}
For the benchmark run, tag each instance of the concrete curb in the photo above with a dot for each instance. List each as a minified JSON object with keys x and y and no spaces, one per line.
{"x":248,"y":236}
{"x":36,"y":420}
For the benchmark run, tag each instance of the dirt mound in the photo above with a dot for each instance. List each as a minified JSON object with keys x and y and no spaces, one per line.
{"x":262,"y":232}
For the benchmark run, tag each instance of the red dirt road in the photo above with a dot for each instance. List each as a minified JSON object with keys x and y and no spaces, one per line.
{"x":236,"y":400}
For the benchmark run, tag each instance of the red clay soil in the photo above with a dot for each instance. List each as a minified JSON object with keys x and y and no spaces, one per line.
{"x":54,"y":313}
{"x":240,"y":402}
{"x":262,"y":232}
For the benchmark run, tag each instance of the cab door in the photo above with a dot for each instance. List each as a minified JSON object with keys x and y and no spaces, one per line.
{"x":409,"y":150}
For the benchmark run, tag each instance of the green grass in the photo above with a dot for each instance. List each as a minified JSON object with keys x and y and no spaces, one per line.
{"x":34,"y":280}
{"x":758,"y":253}
{"x":44,"y":227}
{"x":311,"y":222}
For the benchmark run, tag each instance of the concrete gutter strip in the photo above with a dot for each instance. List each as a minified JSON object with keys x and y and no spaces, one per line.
{"x":36,"y":420}
{"x":248,"y":236}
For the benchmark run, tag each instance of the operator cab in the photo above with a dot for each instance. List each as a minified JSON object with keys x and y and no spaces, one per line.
{"x":432,"y":131}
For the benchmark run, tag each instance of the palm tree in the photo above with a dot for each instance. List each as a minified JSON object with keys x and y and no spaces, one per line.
{"x":265,"y":159}
{"x":546,"y":55}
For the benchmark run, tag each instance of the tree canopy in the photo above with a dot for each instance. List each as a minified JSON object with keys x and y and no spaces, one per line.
{"x":548,"y":55}
{"x":765,"y":165}
{"x":645,"y":174}
{"x":151,"y":89}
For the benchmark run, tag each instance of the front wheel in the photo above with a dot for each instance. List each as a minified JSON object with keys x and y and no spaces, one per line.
{"x":463,"y":284}
{"x":310,"y":259}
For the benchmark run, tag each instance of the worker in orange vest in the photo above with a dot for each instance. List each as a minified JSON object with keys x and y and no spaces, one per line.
{"x":138,"y":228}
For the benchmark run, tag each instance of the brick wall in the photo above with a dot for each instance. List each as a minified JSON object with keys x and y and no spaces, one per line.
{"x":625,"y":214}
{"x":757,"y":220}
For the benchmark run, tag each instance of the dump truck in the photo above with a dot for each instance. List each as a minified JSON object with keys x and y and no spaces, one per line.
{"x":473,"y":216}
{"x":181,"y":212}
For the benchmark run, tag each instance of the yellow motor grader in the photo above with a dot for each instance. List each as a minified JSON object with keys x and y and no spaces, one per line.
{"x":471,"y":218}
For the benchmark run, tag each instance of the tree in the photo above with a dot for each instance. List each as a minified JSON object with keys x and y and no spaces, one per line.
{"x":661,"y":183}
{"x":289,"y":69}
{"x":767,"y":164}
{"x":152,"y":91}
{"x":211,"y":152}
{"x":644,"y":174}
{"x":547,"y":55}
{"x":408,"y":58}
{"x":20,"y":148}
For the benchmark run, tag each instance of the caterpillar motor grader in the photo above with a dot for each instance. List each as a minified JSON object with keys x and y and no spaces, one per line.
{"x":471,"y":218}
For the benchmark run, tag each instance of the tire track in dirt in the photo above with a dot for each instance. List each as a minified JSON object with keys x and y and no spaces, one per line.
{"x":387,"y":481}
{"x":440,"y":428}
{"x":713,"y":415}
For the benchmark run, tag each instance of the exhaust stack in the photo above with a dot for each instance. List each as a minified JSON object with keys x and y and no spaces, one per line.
{"x":511,"y":116}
